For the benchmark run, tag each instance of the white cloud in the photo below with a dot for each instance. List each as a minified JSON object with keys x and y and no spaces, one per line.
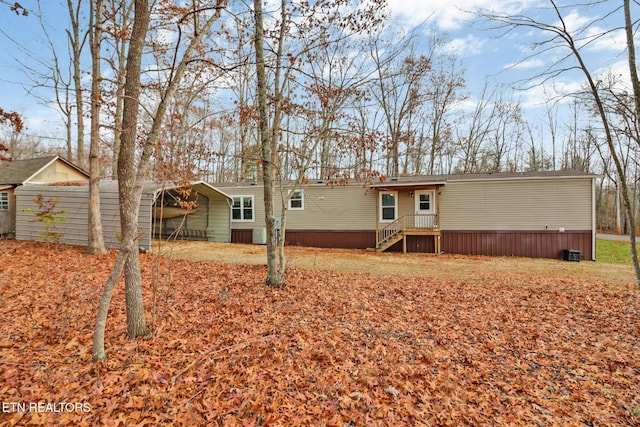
{"x":469,"y":45}
{"x":598,"y":38}
{"x":526,"y":64}
{"x":450,"y":14}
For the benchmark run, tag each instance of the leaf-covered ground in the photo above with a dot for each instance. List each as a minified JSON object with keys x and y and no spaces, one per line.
{"x":335,"y":349}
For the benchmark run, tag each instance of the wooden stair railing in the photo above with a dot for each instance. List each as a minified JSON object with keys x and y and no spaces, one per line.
{"x":395,"y":230}
{"x":390,"y":231}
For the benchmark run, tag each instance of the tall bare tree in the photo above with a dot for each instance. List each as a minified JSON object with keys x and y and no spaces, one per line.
{"x":77,"y":40}
{"x":299,"y":31}
{"x":574,"y":42}
{"x":132,"y":173}
{"x":96,"y":238}
{"x":118,"y":16}
{"x":267,"y":141}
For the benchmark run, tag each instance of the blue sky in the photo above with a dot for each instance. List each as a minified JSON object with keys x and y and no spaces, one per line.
{"x":503,"y":57}
{"x":484,"y":55}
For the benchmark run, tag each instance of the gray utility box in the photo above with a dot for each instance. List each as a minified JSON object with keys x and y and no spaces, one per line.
{"x":259,"y":236}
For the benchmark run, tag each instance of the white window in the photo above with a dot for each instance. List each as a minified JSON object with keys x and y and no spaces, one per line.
{"x":425,"y":201}
{"x":296,"y":202}
{"x":242,"y":208}
{"x":4,"y":201}
{"x":388,"y":206}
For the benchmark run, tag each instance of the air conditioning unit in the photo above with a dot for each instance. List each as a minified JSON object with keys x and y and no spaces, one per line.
{"x":259,"y":236}
{"x":571,"y":255}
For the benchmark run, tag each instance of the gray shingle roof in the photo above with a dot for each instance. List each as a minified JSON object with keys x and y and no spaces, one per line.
{"x":434,"y":179}
{"x":17,"y":172}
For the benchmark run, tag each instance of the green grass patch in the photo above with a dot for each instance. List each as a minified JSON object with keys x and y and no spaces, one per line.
{"x":613,"y":252}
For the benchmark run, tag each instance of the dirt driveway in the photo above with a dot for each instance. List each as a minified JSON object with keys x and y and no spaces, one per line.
{"x":468,"y":268}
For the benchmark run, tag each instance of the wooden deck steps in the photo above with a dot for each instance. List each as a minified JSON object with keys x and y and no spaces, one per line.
{"x":407,"y":225}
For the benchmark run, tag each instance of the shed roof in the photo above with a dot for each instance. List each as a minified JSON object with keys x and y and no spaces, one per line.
{"x":153,"y":187}
{"x":17,"y":172}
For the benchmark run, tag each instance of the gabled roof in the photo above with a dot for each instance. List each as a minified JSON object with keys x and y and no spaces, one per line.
{"x":18,"y":172}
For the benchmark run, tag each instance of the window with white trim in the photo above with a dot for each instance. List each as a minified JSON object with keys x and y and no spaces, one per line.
{"x":296,"y":202}
{"x":4,"y":201}
{"x":242,"y":208}
{"x":425,"y":201}
{"x":388,"y":206}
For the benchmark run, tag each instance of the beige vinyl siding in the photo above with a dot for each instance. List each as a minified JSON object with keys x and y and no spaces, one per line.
{"x":74,"y":200}
{"x":348,"y":207}
{"x":199,"y":218}
{"x":515,"y":204}
{"x":219,"y":219}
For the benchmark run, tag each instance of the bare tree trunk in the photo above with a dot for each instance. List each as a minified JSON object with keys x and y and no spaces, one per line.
{"x":98,"y":352}
{"x":76,"y":48}
{"x":96,"y":238}
{"x":136,"y":324}
{"x":117,"y":123}
{"x":121,"y":15}
{"x":129,"y":203}
{"x":631,"y":50}
{"x":268,"y":167}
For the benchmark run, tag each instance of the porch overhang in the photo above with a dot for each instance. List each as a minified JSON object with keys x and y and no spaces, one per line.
{"x":395,"y":185}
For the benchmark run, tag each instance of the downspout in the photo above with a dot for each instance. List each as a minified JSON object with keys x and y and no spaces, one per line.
{"x":230,"y":204}
{"x":377,"y":196}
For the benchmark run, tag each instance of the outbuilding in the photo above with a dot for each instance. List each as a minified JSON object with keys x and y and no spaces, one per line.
{"x":41,"y":170}
{"x":194,"y":210}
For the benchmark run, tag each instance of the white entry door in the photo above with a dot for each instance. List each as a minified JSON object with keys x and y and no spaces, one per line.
{"x":425,"y":205}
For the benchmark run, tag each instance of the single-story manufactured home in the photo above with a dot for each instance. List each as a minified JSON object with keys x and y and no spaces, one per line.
{"x":531,"y":214}
{"x":16,"y":173}
{"x":165,"y":209}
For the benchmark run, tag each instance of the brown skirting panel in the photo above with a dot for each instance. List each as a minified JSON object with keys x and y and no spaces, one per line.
{"x":239,"y":235}
{"x":358,"y":239}
{"x":533,"y":244}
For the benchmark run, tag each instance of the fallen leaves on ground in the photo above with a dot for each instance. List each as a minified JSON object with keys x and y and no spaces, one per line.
{"x":331,"y":349}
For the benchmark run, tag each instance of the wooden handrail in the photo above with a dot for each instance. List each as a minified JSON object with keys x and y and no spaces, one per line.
{"x":413,"y":221}
{"x":389,"y":231}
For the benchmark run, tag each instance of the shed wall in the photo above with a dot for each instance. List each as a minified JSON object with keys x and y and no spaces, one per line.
{"x":74,"y":200}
